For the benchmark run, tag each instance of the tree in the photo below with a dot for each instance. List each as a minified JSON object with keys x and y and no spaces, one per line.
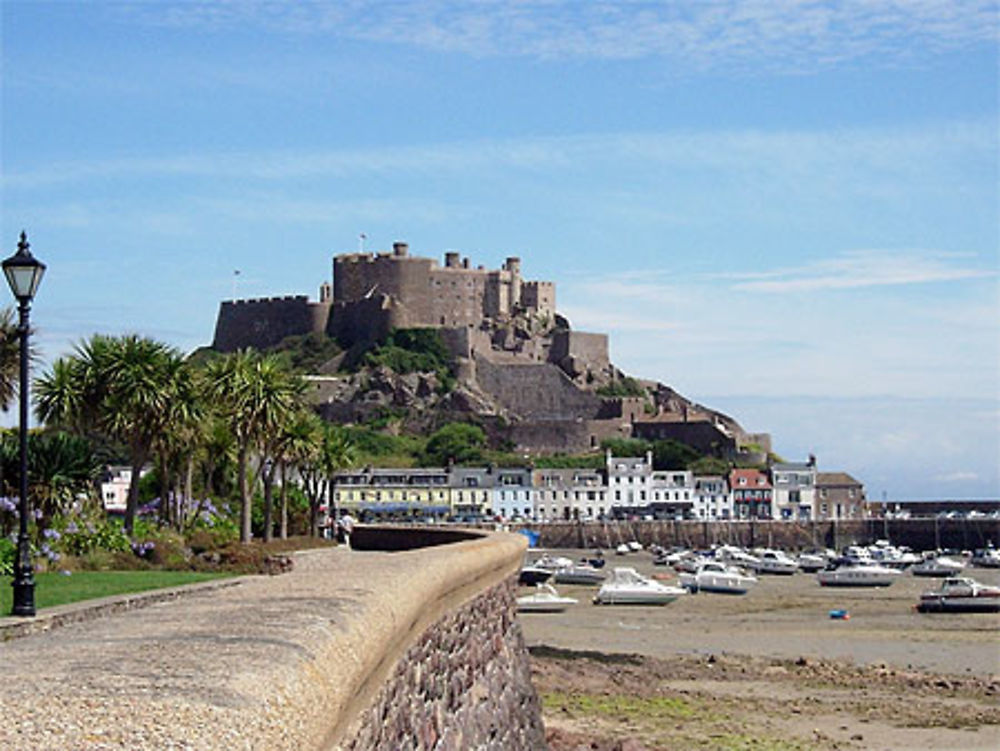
{"x":10,"y":354}
{"x":669,"y":454}
{"x":626,"y":446}
{"x":457,"y":442}
{"x":254,"y":394}
{"x":122,"y":387}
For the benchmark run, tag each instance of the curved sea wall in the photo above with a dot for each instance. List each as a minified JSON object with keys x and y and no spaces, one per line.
{"x":414,"y":649}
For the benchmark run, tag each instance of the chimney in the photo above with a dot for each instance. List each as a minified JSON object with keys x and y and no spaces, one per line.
{"x":465,"y":263}
{"x":400,"y":250}
{"x":451,"y":260}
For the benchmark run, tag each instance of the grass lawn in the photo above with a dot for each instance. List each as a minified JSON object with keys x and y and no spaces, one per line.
{"x":53,"y":589}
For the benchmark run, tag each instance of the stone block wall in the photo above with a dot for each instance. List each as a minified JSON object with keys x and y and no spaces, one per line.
{"x":536,"y":392}
{"x":265,"y":322}
{"x":465,"y":684}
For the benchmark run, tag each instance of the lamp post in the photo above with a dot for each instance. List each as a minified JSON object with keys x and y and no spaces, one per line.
{"x":24,"y":273}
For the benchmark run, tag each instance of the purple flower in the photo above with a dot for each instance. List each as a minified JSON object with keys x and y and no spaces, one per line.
{"x":6,"y":504}
{"x":38,"y":514}
{"x":51,"y":534}
{"x":65,"y":572}
{"x":72,"y":529}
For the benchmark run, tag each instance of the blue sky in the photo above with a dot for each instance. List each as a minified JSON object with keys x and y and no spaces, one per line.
{"x":787,"y":210}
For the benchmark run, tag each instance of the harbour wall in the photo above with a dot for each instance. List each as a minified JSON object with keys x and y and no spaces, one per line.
{"x":392,"y":647}
{"x":919,"y":534}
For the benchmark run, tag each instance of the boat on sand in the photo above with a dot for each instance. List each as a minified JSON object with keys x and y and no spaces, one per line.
{"x":626,"y":586}
{"x":545,"y":599}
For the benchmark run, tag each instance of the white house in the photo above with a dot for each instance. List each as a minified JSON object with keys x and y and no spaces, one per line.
{"x":794,"y":489}
{"x":712,"y":499}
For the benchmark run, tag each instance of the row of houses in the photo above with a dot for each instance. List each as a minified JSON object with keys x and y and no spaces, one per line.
{"x":627,"y":487}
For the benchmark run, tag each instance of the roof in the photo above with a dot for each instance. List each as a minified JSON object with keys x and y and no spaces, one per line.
{"x":753,"y":477}
{"x":835,"y":478}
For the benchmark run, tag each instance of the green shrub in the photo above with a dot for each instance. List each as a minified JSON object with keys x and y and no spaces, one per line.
{"x":622,"y":387}
{"x":8,"y":554}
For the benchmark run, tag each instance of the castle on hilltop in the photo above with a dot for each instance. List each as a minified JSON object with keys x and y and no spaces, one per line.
{"x":515,"y":357}
{"x":373,"y":293}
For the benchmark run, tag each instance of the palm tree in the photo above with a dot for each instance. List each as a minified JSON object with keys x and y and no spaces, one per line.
{"x":254,"y":394}
{"x":122,"y":387}
{"x":338,"y":453}
{"x":301,"y":443}
{"x":177,"y":443}
{"x":10,"y":353}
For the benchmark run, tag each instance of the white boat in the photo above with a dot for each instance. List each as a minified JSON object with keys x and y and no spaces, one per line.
{"x":578,"y":574}
{"x":545,"y":599}
{"x":553,"y":562}
{"x":775,"y":562}
{"x":858,"y":575}
{"x":889,"y":555}
{"x":987,"y":558}
{"x":715,"y":576}
{"x":812,"y":562}
{"x":531,"y":575}
{"x":960,"y":594}
{"x":635,"y":546}
{"x":628,"y":587}
{"x":689,"y":562}
{"x":623,"y":549}
{"x":736,"y":556}
{"x":938,"y":565}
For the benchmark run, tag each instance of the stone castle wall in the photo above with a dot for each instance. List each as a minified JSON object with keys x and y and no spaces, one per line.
{"x":535,"y":391}
{"x":266,"y":321}
{"x":429,"y":295}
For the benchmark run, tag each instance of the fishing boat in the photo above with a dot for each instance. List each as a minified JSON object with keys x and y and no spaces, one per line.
{"x":717,"y":577}
{"x":858,"y":575}
{"x":960,"y":594}
{"x":627,"y":586}
{"x":545,"y":599}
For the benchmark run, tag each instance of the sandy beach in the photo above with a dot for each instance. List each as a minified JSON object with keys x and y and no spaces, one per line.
{"x":775,"y":664}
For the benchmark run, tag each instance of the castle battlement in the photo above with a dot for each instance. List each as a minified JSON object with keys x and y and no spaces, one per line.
{"x":268,"y":300}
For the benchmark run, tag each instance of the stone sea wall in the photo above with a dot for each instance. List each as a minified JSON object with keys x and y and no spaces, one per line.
{"x":465,"y":684}
{"x":919,"y":534}
{"x":400,"y":646}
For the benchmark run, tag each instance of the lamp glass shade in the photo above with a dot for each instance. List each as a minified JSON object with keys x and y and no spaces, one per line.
{"x":24,"y":274}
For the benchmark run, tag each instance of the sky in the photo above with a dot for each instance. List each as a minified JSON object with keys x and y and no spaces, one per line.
{"x":785,"y":209}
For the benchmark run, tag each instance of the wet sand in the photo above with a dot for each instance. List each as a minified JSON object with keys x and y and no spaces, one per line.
{"x":781,"y":617}
{"x":767,"y":670}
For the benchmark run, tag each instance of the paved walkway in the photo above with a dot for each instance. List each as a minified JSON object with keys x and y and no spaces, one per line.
{"x":267,"y":663}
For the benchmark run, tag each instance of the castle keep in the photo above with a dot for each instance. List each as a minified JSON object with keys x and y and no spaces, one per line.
{"x":373,"y":293}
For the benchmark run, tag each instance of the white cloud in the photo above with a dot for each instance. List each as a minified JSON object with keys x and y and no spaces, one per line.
{"x":714,"y":334}
{"x":822,"y":161}
{"x":710,"y":34}
{"x":958,"y":476}
{"x":863,"y":268}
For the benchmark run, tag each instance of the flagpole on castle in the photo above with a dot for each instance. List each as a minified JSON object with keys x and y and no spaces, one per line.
{"x":236,"y":276}
{"x":361,"y":242}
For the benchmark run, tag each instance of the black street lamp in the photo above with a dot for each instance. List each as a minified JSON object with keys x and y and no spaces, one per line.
{"x":24,"y":273}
